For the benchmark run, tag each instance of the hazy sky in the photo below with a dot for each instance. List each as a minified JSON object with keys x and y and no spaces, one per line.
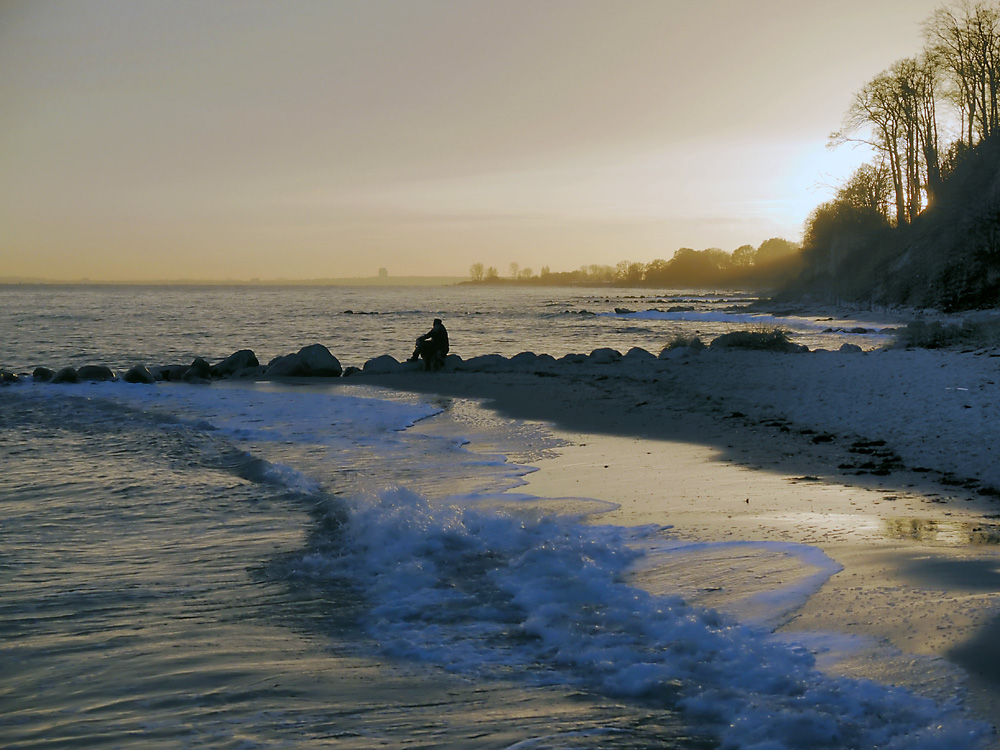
{"x":208,"y":139}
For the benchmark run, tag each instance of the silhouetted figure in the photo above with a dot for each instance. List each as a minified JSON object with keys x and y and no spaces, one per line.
{"x":432,"y":346}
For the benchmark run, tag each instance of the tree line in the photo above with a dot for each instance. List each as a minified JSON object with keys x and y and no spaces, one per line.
{"x":931,"y":120}
{"x":903,"y":112}
{"x":773,"y":262}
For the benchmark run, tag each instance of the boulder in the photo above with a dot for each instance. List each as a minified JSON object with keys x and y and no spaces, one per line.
{"x":382,"y":365}
{"x":350,"y":370}
{"x":572,"y":359}
{"x":235,"y":362}
{"x":96,"y":373}
{"x":523,"y":359}
{"x":139,"y":374}
{"x":198,"y":372}
{"x":6,"y":376}
{"x":638,"y":354}
{"x":169,"y":373}
{"x":850,"y":349}
{"x":42,"y":374}
{"x":66,"y":375}
{"x":485,"y":362}
{"x":605,"y":356}
{"x":313,"y":361}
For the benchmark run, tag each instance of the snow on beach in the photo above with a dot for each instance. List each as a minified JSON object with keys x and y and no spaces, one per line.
{"x":935,"y":409}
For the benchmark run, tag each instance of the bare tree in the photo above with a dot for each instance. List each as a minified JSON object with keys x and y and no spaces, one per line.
{"x":515,"y":269}
{"x":965,"y":39}
{"x":895,"y":113}
{"x":476,"y":271}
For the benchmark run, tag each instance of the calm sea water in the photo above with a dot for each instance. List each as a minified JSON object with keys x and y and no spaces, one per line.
{"x":123,"y":326}
{"x":252,"y":565}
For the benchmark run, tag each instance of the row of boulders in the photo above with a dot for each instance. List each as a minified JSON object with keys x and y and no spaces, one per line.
{"x":316,"y":361}
{"x":310,"y":361}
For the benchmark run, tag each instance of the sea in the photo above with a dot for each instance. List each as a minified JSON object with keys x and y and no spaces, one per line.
{"x":262,"y":565}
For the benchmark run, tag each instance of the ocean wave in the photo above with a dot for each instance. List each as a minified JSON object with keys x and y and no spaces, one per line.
{"x":493,"y":593}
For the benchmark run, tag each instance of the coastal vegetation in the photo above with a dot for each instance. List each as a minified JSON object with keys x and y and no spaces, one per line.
{"x":774,"y":262}
{"x":919,"y":225}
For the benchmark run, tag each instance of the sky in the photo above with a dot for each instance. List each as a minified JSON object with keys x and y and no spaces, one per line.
{"x":239,"y":139}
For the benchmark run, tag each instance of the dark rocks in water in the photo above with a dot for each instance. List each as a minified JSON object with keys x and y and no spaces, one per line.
{"x":139,"y":374}
{"x":96,"y":373}
{"x":850,"y":349}
{"x":199,"y":371}
{"x":680,"y":309}
{"x":605,"y":356}
{"x":241,"y":360}
{"x":350,"y":370}
{"x":572,"y":359}
{"x":66,"y":375}
{"x":42,"y":374}
{"x":382,"y":365}
{"x":623,"y":311}
{"x":8,"y":377}
{"x":313,"y":361}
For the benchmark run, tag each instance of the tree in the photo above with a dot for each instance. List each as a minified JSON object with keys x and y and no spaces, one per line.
{"x":744,"y":256}
{"x":476,"y":271}
{"x":492,"y":274}
{"x":774,"y":249}
{"x":895,"y":113}
{"x":515,"y":269}
{"x":965,"y":39}
{"x":629,"y":273}
{"x":869,"y":188}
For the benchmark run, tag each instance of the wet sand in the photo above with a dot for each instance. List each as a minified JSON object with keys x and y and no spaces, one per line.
{"x":724,"y":447}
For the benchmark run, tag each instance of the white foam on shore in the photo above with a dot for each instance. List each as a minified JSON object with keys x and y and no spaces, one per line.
{"x":490,"y":593}
{"x":485,"y":592}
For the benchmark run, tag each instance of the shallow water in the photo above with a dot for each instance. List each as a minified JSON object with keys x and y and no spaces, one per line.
{"x":255,"y":565}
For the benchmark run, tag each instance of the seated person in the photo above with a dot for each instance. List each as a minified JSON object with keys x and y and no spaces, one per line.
{"x":432,"y":346}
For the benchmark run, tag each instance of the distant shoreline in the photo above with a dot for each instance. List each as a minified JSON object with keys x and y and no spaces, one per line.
{"x":358,"y":281}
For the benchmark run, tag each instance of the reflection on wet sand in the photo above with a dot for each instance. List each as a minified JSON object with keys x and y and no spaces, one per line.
{"x":943,"y":532}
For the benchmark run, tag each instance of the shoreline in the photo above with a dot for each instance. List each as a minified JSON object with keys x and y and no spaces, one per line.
{"x":680,"y":444}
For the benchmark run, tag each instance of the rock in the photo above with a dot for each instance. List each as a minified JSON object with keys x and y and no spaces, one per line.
{"x":66,"y":375}
{"x":383,"y":365}
{"x":170,"y":373}
{"x":572,"y":359}
{"x":605,"y":356}
{"x":850,"y":349}
{"x":241,"y":360}
{"x":199,"y":371}
{"x":8,"y":377}
{"x":313,"y":361}
{"x":351,"y":370}
{"x":139,"y":374}
{"x":42,"y":374}
{"x":485,"y":362}
{"x":96,"y":373}
{"x":638,"y":354}
{"x":523,"y":359}
{"x":859,"y":330}
{"x":623,"y":311}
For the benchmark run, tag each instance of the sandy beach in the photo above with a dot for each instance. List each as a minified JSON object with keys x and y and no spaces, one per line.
{"x":884,"y":460}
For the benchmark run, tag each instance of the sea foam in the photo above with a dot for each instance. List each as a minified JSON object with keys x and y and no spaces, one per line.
{"x":494,"y":593}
